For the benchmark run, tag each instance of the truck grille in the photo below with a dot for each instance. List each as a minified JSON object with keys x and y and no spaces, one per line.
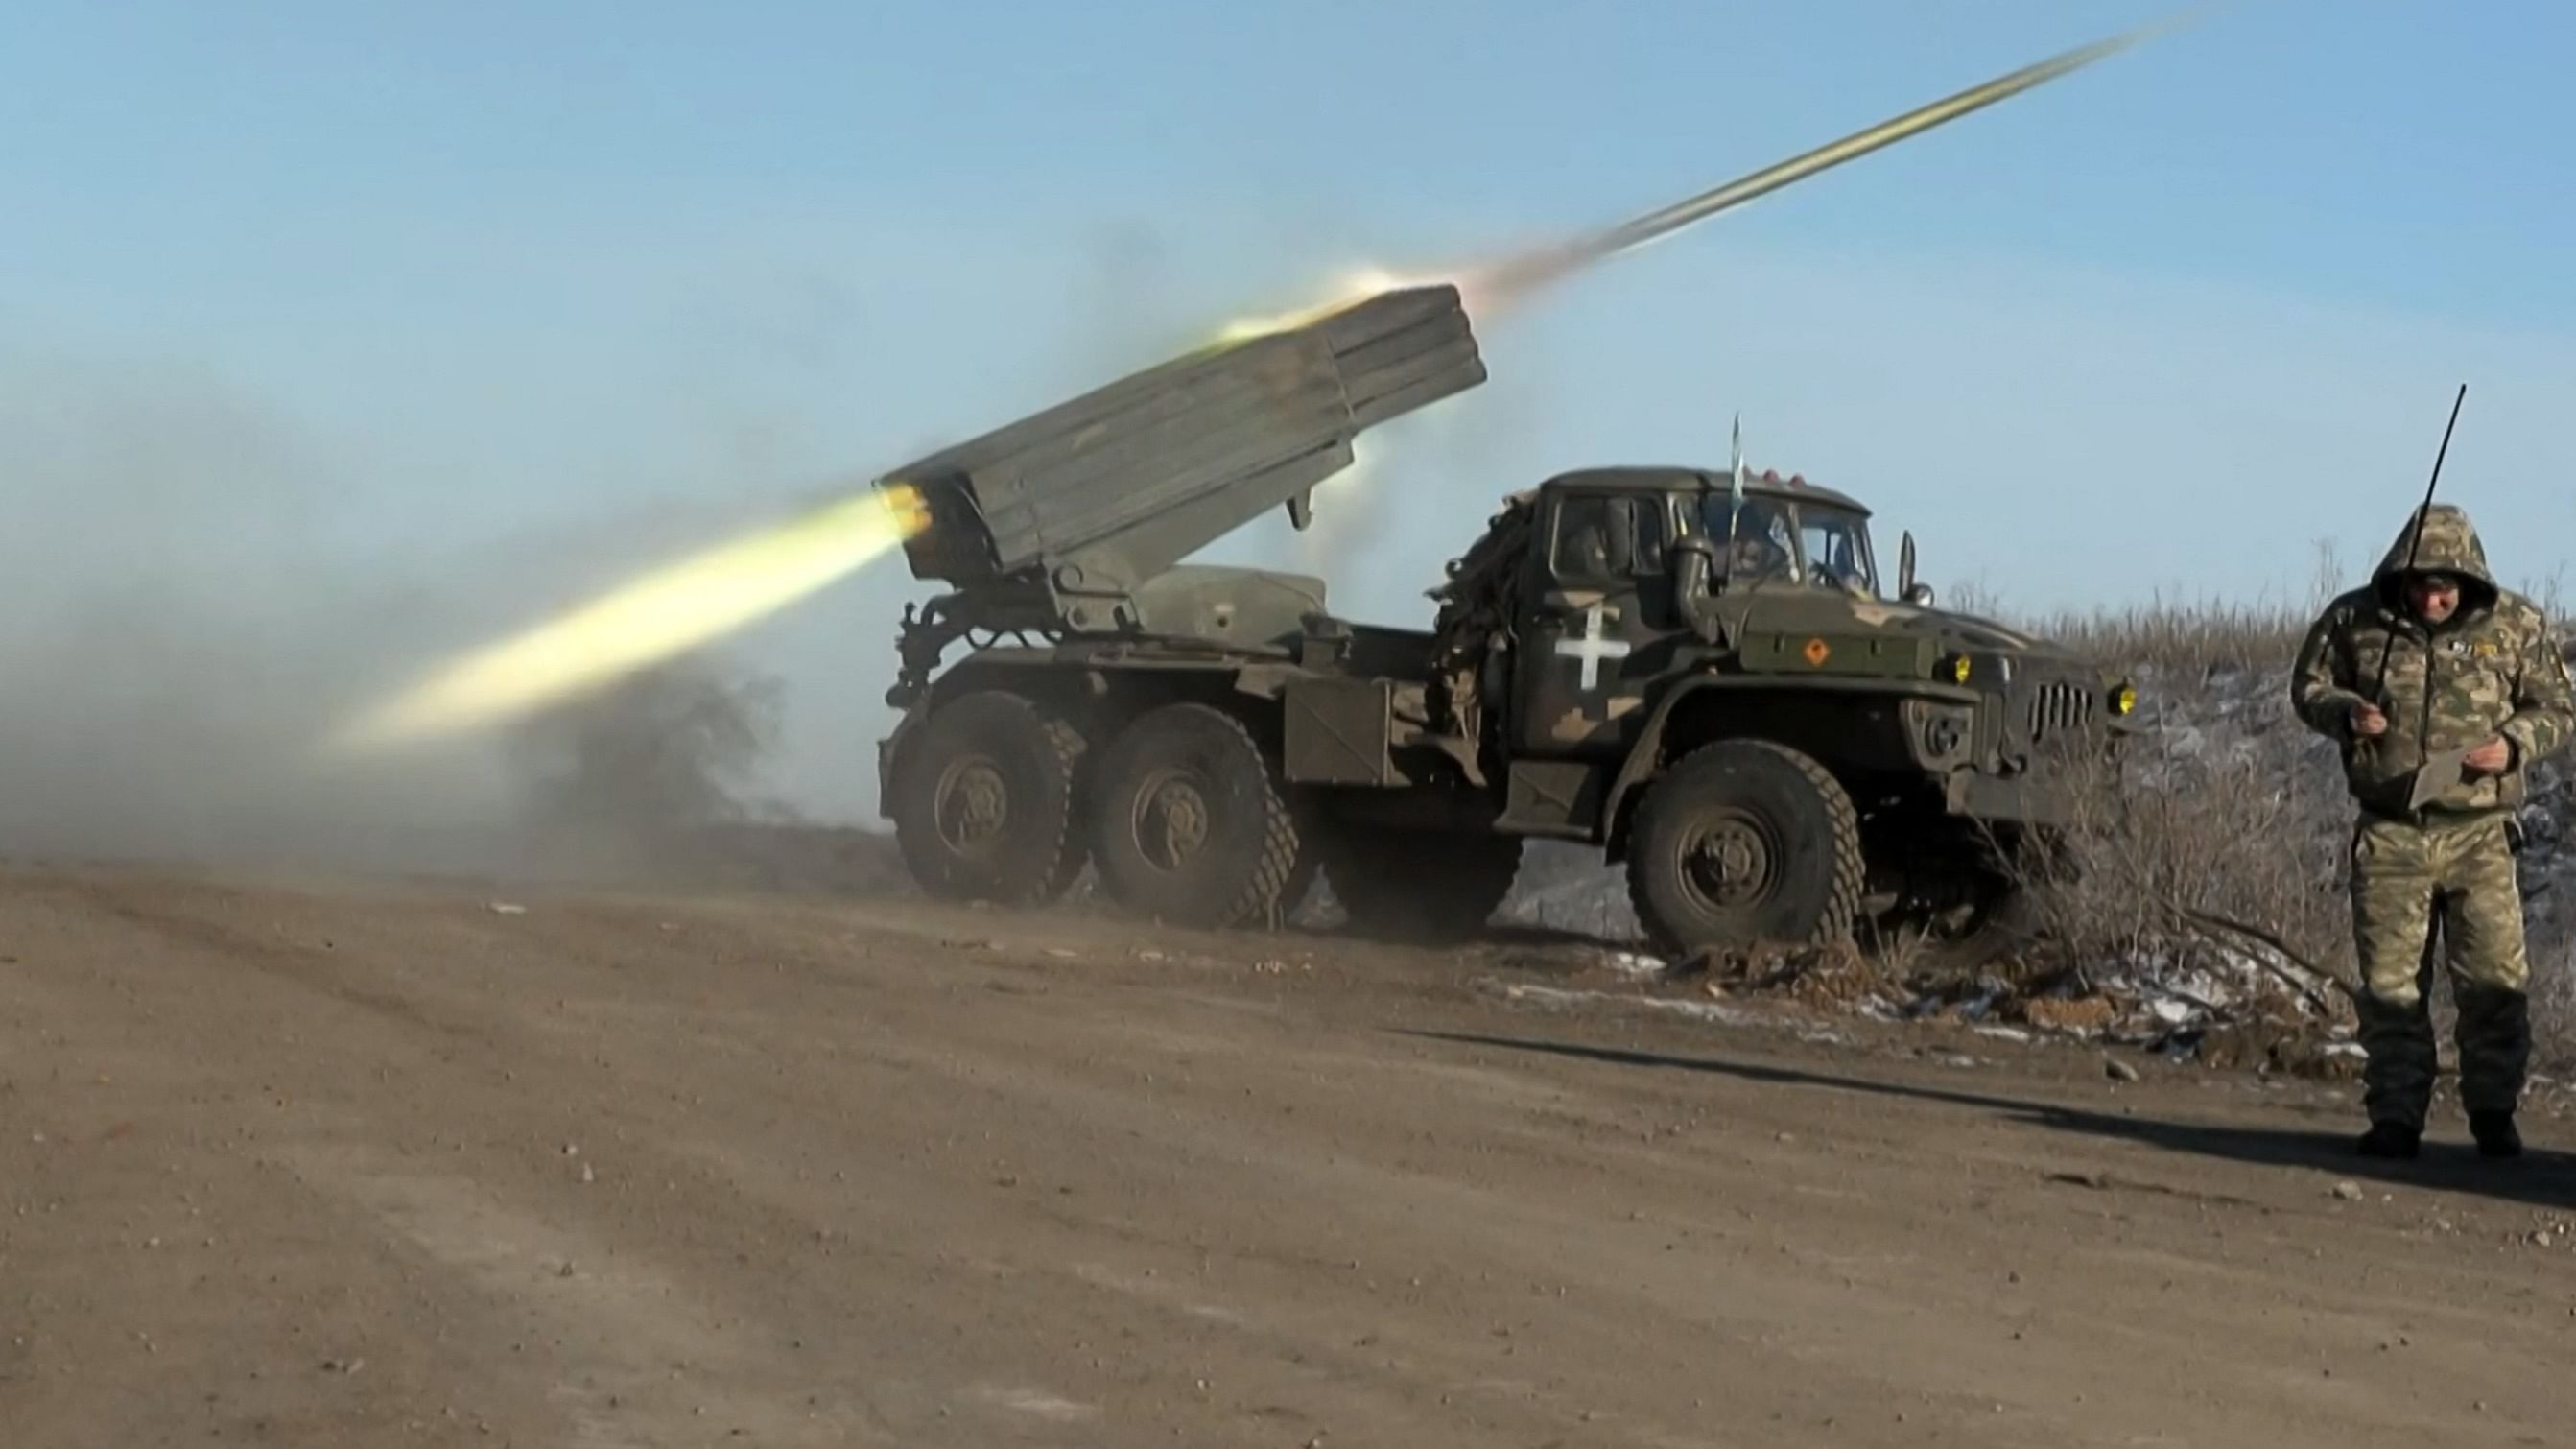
{"x":2055,"y":708}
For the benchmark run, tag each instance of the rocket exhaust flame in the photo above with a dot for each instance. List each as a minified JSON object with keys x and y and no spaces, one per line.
{"x":1355,"y":287}
{"x":650,"y":619}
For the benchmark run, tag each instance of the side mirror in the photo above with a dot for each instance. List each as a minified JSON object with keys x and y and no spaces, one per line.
{"x":1919,"y":595}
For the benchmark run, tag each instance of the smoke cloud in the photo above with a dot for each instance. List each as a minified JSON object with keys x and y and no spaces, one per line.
{"x":1420,"y":493}
{"x":192,"y":594}
{"x":197,"y":587}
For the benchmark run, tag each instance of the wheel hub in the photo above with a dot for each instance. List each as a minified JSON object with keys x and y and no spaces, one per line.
{"x":1729,"y":861}
{"x":974,"y":804}
{"x":1171,"y":821}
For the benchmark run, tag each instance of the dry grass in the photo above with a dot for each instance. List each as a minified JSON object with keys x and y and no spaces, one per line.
{"x":2181,"y":646}
{"x":2243,"y":825}
{"x":2227,"y":805}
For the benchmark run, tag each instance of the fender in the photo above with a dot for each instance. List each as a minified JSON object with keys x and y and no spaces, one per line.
{"x":1645,"y":757}
{"x":890,"y":748}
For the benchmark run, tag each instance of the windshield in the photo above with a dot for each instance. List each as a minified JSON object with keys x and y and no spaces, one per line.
{"x":1800,"y":541}
{"x":1765,"y":542}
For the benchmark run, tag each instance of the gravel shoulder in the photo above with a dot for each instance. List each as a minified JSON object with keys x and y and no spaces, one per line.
{"x":329,"y":1163}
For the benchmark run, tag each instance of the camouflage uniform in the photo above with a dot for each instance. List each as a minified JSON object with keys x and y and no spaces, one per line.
{"x":2492,"y":669}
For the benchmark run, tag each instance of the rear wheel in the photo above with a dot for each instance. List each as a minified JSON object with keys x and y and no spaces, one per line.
{"x":1434,"y":888}
{"x":1744,"y":841}
{"x":984,"y":801}
{"x":1189,"y":824}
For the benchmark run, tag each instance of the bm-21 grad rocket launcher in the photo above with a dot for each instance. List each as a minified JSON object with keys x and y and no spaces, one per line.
{"x":1773,"y":742}
{"x":1702,"y":672}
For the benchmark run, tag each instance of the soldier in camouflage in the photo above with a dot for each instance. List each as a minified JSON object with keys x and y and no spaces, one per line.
{"x":2476,"y":691}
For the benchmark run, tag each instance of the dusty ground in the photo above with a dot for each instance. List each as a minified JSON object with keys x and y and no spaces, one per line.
{"x":340,"y":1165}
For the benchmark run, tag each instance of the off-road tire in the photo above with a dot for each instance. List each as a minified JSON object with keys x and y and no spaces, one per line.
{"x":985,"y":800}
{"x":1422,"y":887}
{"x":1787,"y":823}
{"x":1188,"y":824}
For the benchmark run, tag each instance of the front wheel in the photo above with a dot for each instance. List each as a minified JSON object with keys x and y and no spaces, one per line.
{"x":1188,"y":823}
{"x":1745,"y":841}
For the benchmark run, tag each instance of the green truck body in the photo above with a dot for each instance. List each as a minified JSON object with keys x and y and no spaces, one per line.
{"x":1717,"y":687}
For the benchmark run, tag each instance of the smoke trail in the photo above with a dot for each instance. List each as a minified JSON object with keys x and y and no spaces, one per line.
{"x":1493,"y":286}
{"x":1514,"y":278}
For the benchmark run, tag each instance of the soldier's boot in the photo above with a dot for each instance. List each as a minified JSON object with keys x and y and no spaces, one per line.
{"x":2391,"y":1139}
{"x":2397,"y":1075}
{"x":2495,"y":1134}
{"x":2495,"y":1047}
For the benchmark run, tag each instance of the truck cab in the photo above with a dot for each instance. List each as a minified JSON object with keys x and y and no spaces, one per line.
{"x":1663,"y":617}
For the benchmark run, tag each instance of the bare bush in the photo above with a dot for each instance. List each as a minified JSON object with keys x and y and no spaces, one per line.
{"x":2242,"y":825}
{"x":672,"y":747}
{"x":2222,"y":805}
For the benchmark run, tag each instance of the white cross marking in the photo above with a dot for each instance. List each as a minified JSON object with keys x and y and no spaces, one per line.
{"x":1592,"y":648}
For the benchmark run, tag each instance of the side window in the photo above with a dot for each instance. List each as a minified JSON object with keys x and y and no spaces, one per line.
{"x":1823,"y":546}
{"x":1653,"y":524}
{"x":1587,"y":541}
{"x":1605,"y":538}
{"x":1834,"y":552}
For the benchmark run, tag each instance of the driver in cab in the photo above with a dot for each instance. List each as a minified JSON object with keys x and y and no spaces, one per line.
{"x":1761,"y":552}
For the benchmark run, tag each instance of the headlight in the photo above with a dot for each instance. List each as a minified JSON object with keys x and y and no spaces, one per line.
{"x":2124,"y":699}
{"x":1956,"y":667}
{"x":1943,"y":733}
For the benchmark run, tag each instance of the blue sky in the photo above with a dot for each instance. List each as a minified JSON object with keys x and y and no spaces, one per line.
{"x":309,"y":310}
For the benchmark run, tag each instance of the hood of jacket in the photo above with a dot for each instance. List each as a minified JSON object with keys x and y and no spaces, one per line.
{"x":2449,"y":546}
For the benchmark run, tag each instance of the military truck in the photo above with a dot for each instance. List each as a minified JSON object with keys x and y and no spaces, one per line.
{"x":1702,"y":674}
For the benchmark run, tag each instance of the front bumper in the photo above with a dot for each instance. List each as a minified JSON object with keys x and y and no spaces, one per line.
{"x":2015,"y":800}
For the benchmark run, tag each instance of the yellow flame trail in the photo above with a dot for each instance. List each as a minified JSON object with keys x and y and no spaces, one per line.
{"x":645,"y":621}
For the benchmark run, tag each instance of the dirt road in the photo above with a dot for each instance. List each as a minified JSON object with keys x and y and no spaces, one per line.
{"x":344,"y":1165}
